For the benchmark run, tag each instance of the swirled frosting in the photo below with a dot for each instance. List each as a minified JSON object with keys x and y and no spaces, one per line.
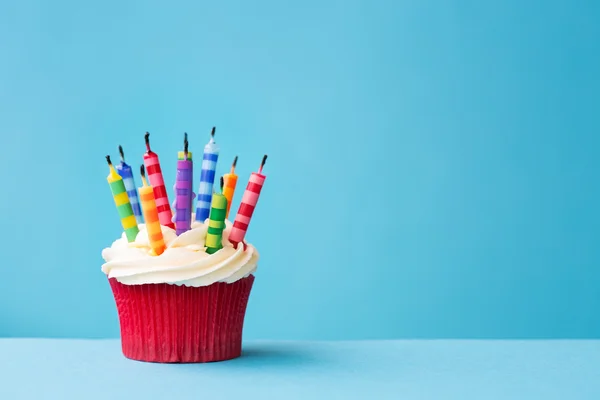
{"x":184,"y":262}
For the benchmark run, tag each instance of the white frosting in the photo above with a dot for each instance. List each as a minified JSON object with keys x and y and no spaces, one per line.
{"x":184,"y":262}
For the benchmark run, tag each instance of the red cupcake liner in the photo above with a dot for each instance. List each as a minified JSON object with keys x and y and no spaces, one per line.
{"x":180,"y":324}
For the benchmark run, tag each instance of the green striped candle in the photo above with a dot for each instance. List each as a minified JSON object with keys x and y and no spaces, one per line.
{"x":216,"y":223}
{"x":119,"y":193}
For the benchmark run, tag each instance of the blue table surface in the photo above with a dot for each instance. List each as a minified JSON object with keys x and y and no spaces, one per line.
{"x":399,"y":369}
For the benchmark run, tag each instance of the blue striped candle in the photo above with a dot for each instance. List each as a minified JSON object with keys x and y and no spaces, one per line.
{"x":207,"y":178}
{"x":124,"y":170}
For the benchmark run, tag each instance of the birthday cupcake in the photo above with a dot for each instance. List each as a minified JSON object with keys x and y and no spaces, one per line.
{"x":181,"y":290}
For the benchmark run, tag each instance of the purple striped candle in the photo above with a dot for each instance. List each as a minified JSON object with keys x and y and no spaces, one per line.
{"x":183,"y":190}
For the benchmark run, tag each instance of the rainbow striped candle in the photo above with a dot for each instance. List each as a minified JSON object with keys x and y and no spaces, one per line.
{"x":183,"y":190}
{"x":125,"y":171}
{"x":119,"y":193}
{"x":216,"y":223}
{"x":207,"y":178}
{"x":158,"y":184}
{"x":155,"y":236}
{"x":249,"y":200}
{"x":230,"y":182}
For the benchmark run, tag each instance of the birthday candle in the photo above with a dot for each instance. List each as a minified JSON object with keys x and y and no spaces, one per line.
{"x":151,"y":215}
{"x":216,"y":222}
{"x":249,"y":200}
{"x":125,"y":171}
{"x":230,"y":182}
{"x":207,"y":178}
{"x":119,"y":193}
{"x":181,"y":156}
{"x":158,"y":184}
{"x":183,"y":190}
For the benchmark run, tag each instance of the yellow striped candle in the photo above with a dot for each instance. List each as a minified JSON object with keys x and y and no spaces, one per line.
{"x":155,"y":236}
{"x":119,"y":193}
{"x":230,"y":182}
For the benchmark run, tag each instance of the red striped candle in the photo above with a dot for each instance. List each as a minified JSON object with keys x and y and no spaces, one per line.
{"x":157,"y":182}
{"x":247,"y":206}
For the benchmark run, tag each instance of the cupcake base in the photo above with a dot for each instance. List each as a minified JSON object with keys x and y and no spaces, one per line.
{"x":179,"y":324}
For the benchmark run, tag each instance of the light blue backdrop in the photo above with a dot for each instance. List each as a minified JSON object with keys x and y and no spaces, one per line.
{"x":433,"y":166}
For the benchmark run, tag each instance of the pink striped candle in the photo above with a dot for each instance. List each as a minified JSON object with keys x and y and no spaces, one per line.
{"x":247,"y":206}
{"x":157,"y":182}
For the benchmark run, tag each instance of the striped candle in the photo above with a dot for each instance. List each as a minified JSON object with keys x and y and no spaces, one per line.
{"x":207,"y":178}
{"x":230,"y":182}
{"x":183,"y":190}
{"x":125,"y":171}
{"x":181,"y":156}
{"x":119,"y":193}
{"x":158,"y":184}
{"x":151,"y":215}
{"x":216,"y":223}
{"x":249,"y":200}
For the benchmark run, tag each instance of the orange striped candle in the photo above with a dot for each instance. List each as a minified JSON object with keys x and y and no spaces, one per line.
{"x":155,"y":236}
{"x":230,"y":182}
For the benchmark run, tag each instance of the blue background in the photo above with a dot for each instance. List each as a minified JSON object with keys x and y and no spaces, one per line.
{"x":433,"y":166}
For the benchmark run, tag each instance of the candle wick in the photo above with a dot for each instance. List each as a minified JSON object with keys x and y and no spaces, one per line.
{"x":147,"y":139}
{"x":234,"y":164}
{"x":262,"y":164}
{"x":212,"y":133}
{"x":143,"y":172}
{"x":108,"y":160}
{"x":121,"y":153}
{"x":185,"y":145}
{"x":222,"y":184}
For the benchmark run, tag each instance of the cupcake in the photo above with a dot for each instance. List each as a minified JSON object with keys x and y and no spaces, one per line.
{"x":184,"y":305}
{"x":181,"y":286}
